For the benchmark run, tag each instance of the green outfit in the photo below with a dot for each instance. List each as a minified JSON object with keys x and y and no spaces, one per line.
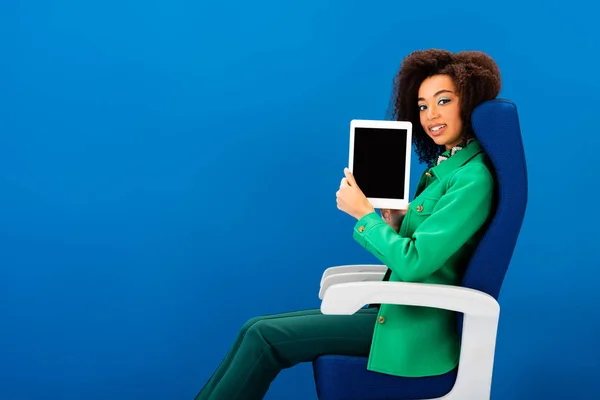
{"x":438,"y":235}
{"x":436,"y":239}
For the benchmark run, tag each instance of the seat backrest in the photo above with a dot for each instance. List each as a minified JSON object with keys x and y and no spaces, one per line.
{"x":496,"y":125}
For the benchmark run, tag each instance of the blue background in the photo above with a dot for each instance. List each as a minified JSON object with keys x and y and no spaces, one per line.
{"x":168,"y":170}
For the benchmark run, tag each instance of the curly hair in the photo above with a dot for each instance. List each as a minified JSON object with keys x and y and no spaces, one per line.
{"x":475,"y":75}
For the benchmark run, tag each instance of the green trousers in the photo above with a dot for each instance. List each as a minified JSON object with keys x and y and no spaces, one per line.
{"x":266,"y":345}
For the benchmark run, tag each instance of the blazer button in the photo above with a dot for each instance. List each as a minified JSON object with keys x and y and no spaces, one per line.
{"x":381,"y":319}
{"x":428,"y":174}
{"x":419,"y":208}
{"x":361,"y":229}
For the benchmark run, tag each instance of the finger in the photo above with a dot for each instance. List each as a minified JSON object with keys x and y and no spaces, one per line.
{"x":350,"y":177}
{"x":344,"y":182}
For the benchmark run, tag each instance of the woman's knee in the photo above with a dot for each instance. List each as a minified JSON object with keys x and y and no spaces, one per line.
{"x":257,"y":327}
{"x":253,"y":326}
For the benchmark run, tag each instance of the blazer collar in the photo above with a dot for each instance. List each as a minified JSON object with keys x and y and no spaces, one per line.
{"x":459,"y":159}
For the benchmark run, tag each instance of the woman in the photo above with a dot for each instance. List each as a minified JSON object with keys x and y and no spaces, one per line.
{"x":431,"y":242}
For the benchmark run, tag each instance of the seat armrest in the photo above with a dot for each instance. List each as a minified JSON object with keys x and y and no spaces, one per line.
{"x":349,"y":277}
{"x":347,"y":298}
{"x":345,"y":269}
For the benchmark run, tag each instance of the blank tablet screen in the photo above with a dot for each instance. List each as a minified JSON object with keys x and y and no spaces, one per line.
{"x":379,"y":165}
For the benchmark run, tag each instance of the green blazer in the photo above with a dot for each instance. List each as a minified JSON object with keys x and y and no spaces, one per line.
{"x":439,"y":232}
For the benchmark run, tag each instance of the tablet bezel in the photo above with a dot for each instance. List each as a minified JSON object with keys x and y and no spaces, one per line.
{"x":393,"y":204}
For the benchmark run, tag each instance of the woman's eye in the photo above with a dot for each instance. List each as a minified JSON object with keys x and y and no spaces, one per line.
{"x":422,"y":107}
{"x":444,"y":101}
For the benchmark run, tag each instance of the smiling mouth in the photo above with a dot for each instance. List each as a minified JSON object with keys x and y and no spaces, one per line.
{"x":436,"y":130}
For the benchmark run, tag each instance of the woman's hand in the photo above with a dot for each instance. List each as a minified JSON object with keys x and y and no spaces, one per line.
{"x":351,"y":199}
{"x":393,"y":217}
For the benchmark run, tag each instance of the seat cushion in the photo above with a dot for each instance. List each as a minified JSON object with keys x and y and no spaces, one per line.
{"x":347,"y":378}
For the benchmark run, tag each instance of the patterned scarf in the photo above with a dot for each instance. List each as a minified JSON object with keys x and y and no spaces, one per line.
{"x":449,"y":153}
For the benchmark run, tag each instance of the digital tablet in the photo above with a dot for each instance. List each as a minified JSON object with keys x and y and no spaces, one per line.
{"x":380,"y":161}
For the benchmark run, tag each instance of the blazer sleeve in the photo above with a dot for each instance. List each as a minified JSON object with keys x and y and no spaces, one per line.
{"x":456,"y":217}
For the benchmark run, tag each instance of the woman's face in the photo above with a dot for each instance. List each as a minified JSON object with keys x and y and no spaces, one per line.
{"x":439,"y":109}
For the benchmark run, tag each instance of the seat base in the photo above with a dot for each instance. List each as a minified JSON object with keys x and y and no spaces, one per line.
{"x":347,"y":378}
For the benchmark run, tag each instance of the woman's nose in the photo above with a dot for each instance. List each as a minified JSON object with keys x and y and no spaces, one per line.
{"x":432,"y":113}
